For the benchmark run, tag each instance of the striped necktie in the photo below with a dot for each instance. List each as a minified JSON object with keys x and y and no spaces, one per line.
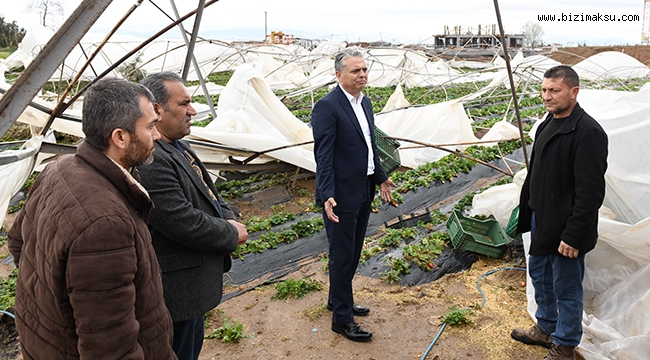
{"x":196,"y":168}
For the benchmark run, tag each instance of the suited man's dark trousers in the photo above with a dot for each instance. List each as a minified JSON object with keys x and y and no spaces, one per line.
{"x":345,"y":244}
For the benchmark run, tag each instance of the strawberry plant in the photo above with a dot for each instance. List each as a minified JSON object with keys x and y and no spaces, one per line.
{"x":394,"y":237}
{"x":423,"y":254}
{"x":367,"y":253}
{"x":313,"y":208}
{"x":306,"y":228}
{"x":390,"y":277}
{"x":457,"y":316}
{"x":296,"y":288}
{"x":304,"y":193}
{"x":397,"y":268}
{"x":228,"y":332}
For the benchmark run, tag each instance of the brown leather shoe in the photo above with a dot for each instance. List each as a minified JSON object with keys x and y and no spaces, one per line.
{"x":532,"y":336}
{"x":352,"y":331}
{"x":561,"y":352}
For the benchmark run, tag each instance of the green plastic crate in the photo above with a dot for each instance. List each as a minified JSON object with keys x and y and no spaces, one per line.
{"x":485,"y":237}
{"x":388,"y":153}
{"x":511,"y":228}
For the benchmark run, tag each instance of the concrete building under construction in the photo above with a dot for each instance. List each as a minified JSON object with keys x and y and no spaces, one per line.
{"x":485,"y":37}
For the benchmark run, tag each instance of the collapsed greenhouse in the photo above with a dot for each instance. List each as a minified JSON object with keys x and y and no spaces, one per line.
{"x":251,"y":123}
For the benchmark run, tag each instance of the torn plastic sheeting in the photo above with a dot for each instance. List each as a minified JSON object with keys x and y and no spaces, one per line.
{"x":441,"y":123}
{"x":13,"y":174}
{"x":249,"y":113}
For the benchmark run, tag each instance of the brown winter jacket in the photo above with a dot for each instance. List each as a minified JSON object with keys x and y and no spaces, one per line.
{"x":89,"y":284}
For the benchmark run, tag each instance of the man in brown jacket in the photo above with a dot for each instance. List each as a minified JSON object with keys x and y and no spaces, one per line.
{"x":89,"y":284}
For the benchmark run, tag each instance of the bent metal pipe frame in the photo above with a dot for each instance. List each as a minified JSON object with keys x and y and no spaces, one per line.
{"x":14,"y":102}
{"x":61,"y":107}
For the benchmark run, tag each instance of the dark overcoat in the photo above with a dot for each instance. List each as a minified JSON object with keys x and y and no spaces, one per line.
{"x":571,"y":188}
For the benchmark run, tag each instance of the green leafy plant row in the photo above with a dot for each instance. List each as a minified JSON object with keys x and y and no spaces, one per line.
{"x":420,"y":254}
{"x":534,"y":112}
{"x":437,"y":218}
{"x":255,"y":224}
{"x":442,"y":170}
{"x":236,"y":188}
{"x":301,"y":105}
{"x":394,"y":237}
{"x":271,"y":239}
{"x":427,"y":251}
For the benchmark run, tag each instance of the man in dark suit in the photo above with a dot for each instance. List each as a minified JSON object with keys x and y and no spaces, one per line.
{"x":347,"y":171}
{"x":193,"y":230}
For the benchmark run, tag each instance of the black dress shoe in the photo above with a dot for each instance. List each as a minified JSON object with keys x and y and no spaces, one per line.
{"x":357,"y":310}
{"x":352,"y":331}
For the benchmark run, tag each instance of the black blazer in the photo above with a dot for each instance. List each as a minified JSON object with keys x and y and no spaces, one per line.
{"x":341,"y":152}
{"x":192,"y":242}
{"x":571,"y":188}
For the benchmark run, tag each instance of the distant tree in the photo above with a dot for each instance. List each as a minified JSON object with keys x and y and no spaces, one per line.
{"x":10,"y":34}
{"x":131,"y":70}
{"x":46,"y":8}
{"x":533,"y":33}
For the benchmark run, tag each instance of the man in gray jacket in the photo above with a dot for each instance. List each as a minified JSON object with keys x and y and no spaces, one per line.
{"x":193,"y":230}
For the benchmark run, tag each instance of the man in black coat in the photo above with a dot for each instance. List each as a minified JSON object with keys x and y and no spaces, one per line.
{"x":560,"y":198}
{"x":347,"y":171}
{"x":193,"y":230}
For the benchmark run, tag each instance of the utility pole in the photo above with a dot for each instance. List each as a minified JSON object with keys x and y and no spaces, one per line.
{"x":645,"y":27}
{"x":265,"y":29}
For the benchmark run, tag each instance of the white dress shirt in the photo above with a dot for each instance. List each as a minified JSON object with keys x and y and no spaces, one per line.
{"x":363,"y":122}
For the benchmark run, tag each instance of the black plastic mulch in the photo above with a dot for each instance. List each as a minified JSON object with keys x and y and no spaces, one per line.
{"x":275,"y":263}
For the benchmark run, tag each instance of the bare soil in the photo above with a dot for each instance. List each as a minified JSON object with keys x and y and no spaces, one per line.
{"x":404,"y":320}
{"x":574,"y":55}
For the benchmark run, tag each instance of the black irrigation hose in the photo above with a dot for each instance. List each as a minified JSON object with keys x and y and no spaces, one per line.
{"x":478,"y":286}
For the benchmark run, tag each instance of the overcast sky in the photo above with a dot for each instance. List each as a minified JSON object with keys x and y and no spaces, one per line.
{"x":407,"y":21}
